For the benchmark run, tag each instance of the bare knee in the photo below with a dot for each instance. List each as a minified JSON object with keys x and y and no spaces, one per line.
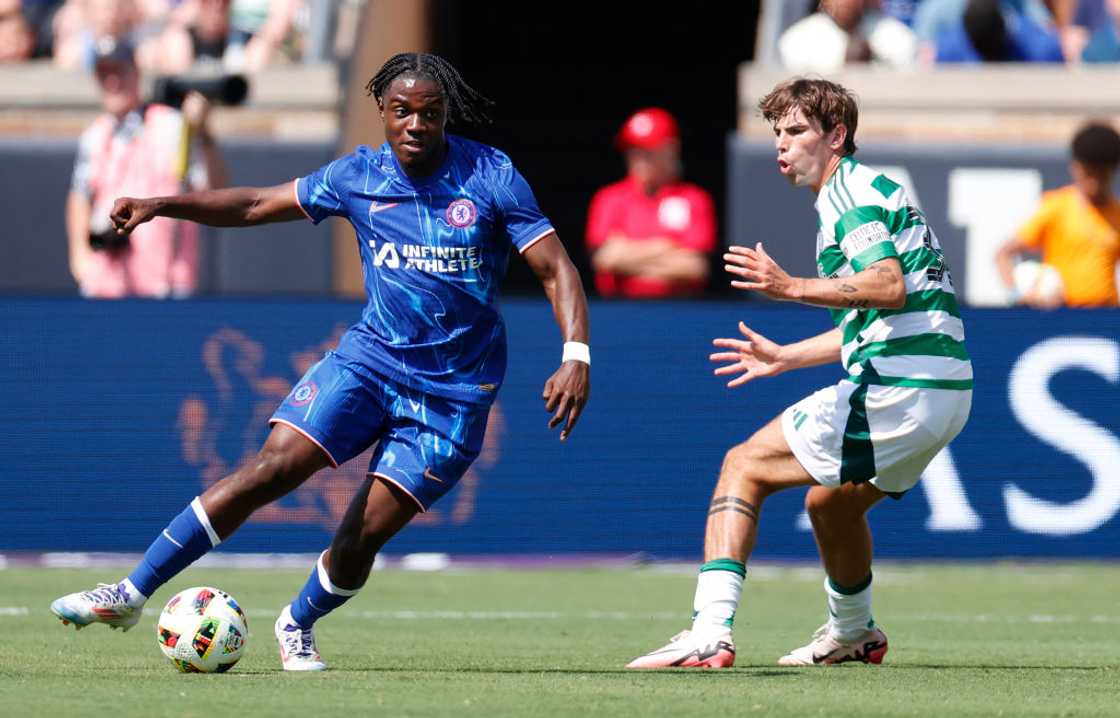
{"x":742,"y":464}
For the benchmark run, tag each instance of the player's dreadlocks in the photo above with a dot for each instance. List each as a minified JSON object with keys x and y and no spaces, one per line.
{"x":464,"y":103}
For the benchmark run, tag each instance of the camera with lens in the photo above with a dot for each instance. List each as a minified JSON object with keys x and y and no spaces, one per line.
{"x":103,"y":235}
{"x":107,"y":240}
{"x":221,"y":89}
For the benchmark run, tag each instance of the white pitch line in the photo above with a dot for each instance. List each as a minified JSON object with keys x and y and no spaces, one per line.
{"x":993,"y":618}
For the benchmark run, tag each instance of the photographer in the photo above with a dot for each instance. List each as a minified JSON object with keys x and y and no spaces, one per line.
{"x":137,"y":149}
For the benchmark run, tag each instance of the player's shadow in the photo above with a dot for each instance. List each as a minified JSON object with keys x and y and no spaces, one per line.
{"x":692,"y":673}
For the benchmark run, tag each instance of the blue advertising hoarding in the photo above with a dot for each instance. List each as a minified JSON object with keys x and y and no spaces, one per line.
{"x":117,"y":414}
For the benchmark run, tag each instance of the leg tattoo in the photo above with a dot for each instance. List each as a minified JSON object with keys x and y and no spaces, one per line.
{"x":731,"y":503}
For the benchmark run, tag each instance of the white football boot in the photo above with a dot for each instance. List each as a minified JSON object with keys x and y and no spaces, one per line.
{"x":108,"y":604}
{"x":689,"y":649}
{"x":297,"y":645}
{"x":825,"y":650}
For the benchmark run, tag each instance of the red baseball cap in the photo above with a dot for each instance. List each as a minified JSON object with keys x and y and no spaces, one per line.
{"x":647,"y":129}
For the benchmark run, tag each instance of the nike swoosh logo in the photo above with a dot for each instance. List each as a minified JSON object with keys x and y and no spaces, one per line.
{"x":429,"y":475}
{"x":376,"y":207}
{"x":703,"y":654}
{"x":822,"y":657}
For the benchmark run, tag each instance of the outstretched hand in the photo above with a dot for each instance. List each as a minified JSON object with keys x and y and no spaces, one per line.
{"x":753,"y":358}
{"x":761,"y":273}
{"x":565,"y":395}
{"x":128,"y":212}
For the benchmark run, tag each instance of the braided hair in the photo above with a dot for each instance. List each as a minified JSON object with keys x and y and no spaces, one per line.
{"x":464,"y":103}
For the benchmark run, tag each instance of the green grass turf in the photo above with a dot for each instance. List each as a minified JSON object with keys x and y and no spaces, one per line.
{"x":965,"y":640}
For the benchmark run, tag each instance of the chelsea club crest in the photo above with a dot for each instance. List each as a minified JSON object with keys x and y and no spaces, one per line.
{"x":304,"y":394}
{"x":461,"y":213}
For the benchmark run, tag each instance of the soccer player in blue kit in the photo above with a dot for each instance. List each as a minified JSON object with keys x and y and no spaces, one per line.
{"x":435,"y":215}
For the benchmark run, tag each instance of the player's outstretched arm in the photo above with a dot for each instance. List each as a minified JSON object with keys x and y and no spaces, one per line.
{"x":232,"y":207}
{"x":566,"y":391}
{"x":755,"y":356}
{"x":880,"y":286}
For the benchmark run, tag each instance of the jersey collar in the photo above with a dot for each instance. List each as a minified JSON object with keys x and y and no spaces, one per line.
{"x":847,"y":162}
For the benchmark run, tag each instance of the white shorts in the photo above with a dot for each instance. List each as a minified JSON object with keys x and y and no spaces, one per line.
{"x":852,"y":433}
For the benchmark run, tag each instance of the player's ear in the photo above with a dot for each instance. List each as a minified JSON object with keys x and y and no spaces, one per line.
{"x":839,"y":137}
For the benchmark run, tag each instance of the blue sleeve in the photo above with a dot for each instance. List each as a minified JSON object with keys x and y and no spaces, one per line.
{"x":954,"y":46}
{"x":522,"y":217}
{"x":324,"y":193}
{"x":1036,"y":43}
{"x":1103,"y":46}
{"x":1090,"y":14}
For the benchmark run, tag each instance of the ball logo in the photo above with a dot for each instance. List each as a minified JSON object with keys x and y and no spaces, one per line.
{"x":461,"y":213}
{"x":304,"y":393}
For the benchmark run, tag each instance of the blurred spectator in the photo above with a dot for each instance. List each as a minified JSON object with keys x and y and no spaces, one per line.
{"x":80,"y":24}
{"x":1072,"y":20}
{"x":901,"y":10}
{"x":1103,"y":43}
{"x":244,"y":35}
{"x":37,"y":26}
{"x":1077,"y":227}
{"x":995,"y":31}
{"x":262,"y":27}
{"x":199,"y":31}
{"x":844,"y":31}
{"x":650,"y":234}
{"x":17,"y":39}
{"x":933,"y":17}
{"x":142,"y":150}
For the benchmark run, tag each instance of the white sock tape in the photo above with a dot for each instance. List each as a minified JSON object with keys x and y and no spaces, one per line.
{"x":200,"y":514}
{"x":325,"y":581}
{"x":577,"y":351}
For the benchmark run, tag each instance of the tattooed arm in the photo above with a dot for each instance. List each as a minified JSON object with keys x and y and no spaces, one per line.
{"x":880,"y":286}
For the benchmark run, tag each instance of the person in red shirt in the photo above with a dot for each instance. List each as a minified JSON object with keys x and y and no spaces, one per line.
{"x":649,"y":235}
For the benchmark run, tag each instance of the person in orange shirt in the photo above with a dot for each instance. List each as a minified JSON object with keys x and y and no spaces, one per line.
{"x":649,"y":235}
{"x":1076,"y":228}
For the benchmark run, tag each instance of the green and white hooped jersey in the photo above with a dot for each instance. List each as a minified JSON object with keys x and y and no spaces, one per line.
{"x":865,"y":217}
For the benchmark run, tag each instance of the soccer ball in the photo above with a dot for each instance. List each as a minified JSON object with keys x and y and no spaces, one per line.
{"x":1042,"y":280}
{"x":202,"y":630}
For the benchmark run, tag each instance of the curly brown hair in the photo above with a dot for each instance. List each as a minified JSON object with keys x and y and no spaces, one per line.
{"x":826,"y":102}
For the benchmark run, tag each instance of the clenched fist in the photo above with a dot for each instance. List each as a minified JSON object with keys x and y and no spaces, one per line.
{"x":128,"y":212}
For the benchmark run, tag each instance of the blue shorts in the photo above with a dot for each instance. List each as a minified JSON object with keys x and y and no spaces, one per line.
{"x":425,"y":443}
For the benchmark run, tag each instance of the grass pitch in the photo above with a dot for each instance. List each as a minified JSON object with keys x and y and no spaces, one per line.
{"x":965,"y":641}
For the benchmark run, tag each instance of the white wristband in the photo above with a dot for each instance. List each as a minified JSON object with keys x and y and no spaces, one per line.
{"x":577,"y":351}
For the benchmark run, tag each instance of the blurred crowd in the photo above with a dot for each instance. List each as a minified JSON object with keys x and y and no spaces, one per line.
{"x":169,"y":35}
{"x":915,"y":33}
{"x":652,"y":235}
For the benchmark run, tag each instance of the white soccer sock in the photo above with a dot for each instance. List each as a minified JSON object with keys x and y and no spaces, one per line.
{"x":718,"y":589}
{"x":134,"y":598}
{"x":849,"y":609}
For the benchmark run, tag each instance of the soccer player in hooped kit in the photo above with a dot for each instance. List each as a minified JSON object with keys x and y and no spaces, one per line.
{"x":435,"y":216}
{"x":908,"y":393}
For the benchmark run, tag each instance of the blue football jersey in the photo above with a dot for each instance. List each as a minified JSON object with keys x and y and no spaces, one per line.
{"x":434,"y":251}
